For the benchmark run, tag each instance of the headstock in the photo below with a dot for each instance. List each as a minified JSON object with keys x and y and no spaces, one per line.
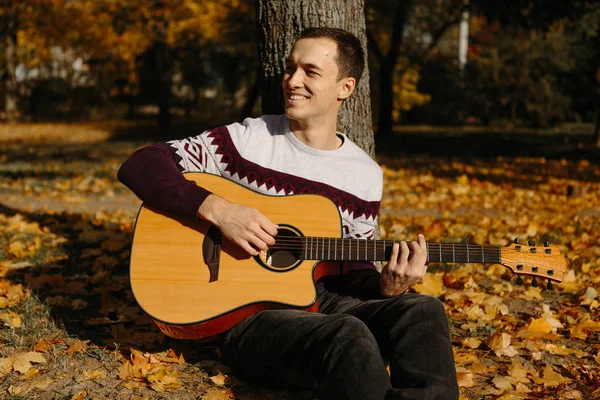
{"x":537,"y":261}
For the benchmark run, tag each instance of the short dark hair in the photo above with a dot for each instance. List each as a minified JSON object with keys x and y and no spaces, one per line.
{"x":350,"y":57}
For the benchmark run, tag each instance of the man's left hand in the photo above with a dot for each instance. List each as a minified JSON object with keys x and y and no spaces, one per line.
{"x":406,"y":266}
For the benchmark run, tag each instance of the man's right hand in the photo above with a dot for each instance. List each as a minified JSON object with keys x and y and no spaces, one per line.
{"x":244,"y":226}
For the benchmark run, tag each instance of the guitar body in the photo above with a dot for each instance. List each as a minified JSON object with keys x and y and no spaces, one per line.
{"x":173,"y":283}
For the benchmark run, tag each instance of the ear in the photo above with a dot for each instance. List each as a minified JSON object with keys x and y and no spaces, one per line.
{"x":348,"y":85}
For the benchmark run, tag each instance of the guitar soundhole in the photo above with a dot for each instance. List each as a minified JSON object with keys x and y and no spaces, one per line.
{"x":285,"y":255}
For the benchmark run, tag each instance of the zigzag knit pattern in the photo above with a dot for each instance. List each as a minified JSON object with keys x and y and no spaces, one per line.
{"x":215,"y":152}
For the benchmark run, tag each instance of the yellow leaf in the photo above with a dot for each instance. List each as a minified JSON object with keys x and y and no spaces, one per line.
{"x":581,"y":330}
{"x":91,"y":374}
{"x":517,"y":372}
{"x":42,"y":384}
{"x":30,"y":374}
{"x":79,"y":396}
{"x":20,"y":362}
{"x":430,"y":285}
{"x":464,"y":377}
{"x":550,"y":378}
{"x":471,"y":343}
{"x":500,"y":343}
{"x":11,"y":319}
{"x":533,"y":293}
{"x":77,"y":346}
{"x":537,"y":327}
{"x":502,"y":382}
{"x":18,"y":390}
{"x":162,"y":379}
{"x":222,"y":380}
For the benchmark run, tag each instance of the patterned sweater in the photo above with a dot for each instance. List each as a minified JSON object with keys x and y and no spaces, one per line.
{"x":263,"y":155}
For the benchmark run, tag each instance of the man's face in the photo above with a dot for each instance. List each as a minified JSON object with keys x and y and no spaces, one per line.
{"x":310,"y":85}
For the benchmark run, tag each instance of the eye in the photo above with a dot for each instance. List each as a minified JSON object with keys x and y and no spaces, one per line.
{"x":312,"y":73}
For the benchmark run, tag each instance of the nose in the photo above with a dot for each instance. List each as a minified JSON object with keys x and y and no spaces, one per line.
{"x":294,"y":78}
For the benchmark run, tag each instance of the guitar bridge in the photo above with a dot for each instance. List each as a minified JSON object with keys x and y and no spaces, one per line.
{"x":211,"y":251}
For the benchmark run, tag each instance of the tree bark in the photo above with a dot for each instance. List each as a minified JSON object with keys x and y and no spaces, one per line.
{"x":280,"y":23}
{"x":9,"y":33}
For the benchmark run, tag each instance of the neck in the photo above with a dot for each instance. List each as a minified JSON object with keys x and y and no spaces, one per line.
{"x":320,"y":136}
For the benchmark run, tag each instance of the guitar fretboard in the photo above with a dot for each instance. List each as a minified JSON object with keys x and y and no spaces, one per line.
{"x":333,"y":249}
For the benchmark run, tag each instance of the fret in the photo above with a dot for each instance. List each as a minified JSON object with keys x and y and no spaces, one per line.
{"x":335,"y":248}
{"x":322,"y":248}
{"x":440,"y":247}
{"x":366,"y":249}
{"x":468,"y":260}
{"x":482,"y":255}
{"x":350,"y":250}
{"x":375,"y":249}
{"x":329,"y":248}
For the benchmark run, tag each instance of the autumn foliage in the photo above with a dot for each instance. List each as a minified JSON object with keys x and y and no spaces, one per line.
{"x":70,"y":325}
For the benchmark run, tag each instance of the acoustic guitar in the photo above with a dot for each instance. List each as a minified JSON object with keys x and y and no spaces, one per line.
{"x":194,"y":283}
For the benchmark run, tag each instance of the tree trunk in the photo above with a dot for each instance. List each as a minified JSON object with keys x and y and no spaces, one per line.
{"x":280,"y":23}
{"x":9,"y":31}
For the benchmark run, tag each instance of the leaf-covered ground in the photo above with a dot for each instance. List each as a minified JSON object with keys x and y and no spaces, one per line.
{"x":70,"y":328}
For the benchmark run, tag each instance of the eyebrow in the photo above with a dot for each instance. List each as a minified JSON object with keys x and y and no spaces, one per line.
{"x":310,"y":66}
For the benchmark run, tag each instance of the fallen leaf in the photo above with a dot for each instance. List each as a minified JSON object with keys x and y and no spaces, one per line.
{"x":550,"y":378}
{"x":500,"y":343}
{"x":464,"y":377}
{"x":580,"y":330}
{"x":502,"y":382}
{"x":471,"y":342}
{"x":78,"y":346}
{"x":11,"y":319}
{"x":430,"y":285}
{"x":79,"y":396}
{"x":20,"y":362}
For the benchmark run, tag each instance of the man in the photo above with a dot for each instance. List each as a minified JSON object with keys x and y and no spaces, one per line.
{"x":364,"y":316}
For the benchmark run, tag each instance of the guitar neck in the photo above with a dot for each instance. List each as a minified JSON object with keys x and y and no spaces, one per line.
{"x":333,"y":249}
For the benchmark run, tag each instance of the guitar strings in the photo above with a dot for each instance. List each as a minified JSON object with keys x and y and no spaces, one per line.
{"x":316,"y":245}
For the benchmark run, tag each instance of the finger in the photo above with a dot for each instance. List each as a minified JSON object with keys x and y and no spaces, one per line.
{"x":262,"y":239}
{"x":258,"y":243}
{"x":393,"y":261}
{"x":422,"y":241}
{"x":414,"y":249}
{"x":248,"y":248}
{"x":270,"y":228}
{"x":266,"y":225}
{"x":404,"y":253}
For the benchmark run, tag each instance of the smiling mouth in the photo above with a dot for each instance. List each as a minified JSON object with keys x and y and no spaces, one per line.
{"x":297,"y":97}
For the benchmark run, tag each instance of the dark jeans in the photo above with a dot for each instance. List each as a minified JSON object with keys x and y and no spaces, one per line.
{"x":342,"y":348}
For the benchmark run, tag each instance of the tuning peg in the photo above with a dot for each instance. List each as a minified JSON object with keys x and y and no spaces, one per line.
{"x":546,"y":244}
{"x":519,"y":280}
{"x":517,"y":241}
{"x":534,"y":282}
{"x":531,"y":242}
{"x":549,"y":285}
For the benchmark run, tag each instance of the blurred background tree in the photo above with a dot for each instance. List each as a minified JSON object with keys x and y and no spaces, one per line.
{"x":530,"y":64}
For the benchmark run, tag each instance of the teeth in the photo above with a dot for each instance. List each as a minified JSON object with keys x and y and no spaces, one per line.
{"x":295,"y":97}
